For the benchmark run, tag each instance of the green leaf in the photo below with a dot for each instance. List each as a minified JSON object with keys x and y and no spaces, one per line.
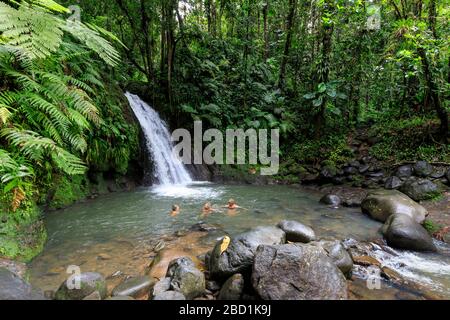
{"x":322,"y":88}
{"x":318,"y":102}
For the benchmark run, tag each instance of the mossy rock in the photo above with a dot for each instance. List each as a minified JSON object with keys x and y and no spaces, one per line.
{"x":68,"y":190}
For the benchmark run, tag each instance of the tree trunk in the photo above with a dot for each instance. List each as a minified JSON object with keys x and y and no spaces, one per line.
{"x":434,"y":95}
{"x":287,"y":45}
{"x":265,"y":11}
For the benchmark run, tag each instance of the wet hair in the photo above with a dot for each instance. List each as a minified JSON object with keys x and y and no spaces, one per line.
{"x":207,"y":205}
{"x":175,"y":207}
{"x":231,"y":201}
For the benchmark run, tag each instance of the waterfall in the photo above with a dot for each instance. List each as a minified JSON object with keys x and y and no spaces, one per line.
{"x":168,"y":169}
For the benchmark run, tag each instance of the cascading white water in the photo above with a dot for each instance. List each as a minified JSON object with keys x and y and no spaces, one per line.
{"x":168,"y":169}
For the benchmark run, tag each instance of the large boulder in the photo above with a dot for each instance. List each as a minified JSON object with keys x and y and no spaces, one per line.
{"x":402,"y":232}
{"x":12,"y":287}
{"x":331,"y":199}
{"x":381,"y":204}
{"x":336,"y":251}
{"x":296,"y":231}
{"x":80,"y":286}
{"x":232,"y":288}
{"x":422,"y":169}
{"x":134,"y":287}
{"x":421,"y":189}
{"x":238,"y":258}
{"x":296,"y":272}
{"x":186,"y":278}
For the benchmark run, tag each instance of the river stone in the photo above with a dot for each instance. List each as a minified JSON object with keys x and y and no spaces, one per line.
{"x":186,"y":278}
{"x":421,"y":189}
{"x":393,"y":183}
{"x":381,"y":204}
{"x":402,"y":232}
{"x":232,"y":288}
{"x":422,"y":169}
{"x":89,"y":282}
{"x":170,"y":295}
{"x":238,"y":258}
{"x":327,"y":173}
{"x":12,"y":287}
{"x":296,"y":231}
{"x":212,"y":286}
{"x":350,"y":170}
{"x":161,"y":286}
{"x":331,"y":199}
{"x":134,"y":287}
{"x":404,"y":172}
{"x":352,"y":203}
{"x":336,"y":251}
{"x":296,"y":272}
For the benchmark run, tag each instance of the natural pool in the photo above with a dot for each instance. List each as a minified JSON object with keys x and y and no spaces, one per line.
{"x":116,"y":232}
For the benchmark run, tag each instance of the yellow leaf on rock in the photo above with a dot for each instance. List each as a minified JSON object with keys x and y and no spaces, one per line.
{"x":225,"y":243}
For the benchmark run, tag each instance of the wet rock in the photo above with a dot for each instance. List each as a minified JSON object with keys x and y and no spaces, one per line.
{"x":296,"y":231}
{"x":402,"y":232}
{"x":421,"y":189}
{"x":120,"y":298}
{"x":186,"y":278}
{"x":238,"y":258}
{"x":134,"y":287}
{"x":422,"y":169}
{"x":331,"y":199}
{"x":352,"y":203}
{"x":438,"y":173}
{"x":349,"y":170}
{"x":232,"y":288}
{"x":364,"y":168}
{"x":212,"y":286}
{"x":12,"y":287}
{"x":170,"y":295}
{"x":296,"y":272}
{"x":393,"y":183}
{"x":93,"y":296}
{"x":161,"y":286}
{"x":337,"y":253}
{"x":355,"y":163}
{"x":204,"y":227}
{"x":381,"y":204}
{"x":366,"y":261}
{"x":88,"y":283}
{"x":404,"y":172}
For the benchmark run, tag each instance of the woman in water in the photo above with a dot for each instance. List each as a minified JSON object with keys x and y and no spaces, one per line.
{"x":175,"y":210}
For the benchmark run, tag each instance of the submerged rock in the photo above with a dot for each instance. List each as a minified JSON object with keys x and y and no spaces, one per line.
{"x":12,"y":287}
{"x":331,"y":199}
{"x":296,"y":231}
{"x":296,"y":272}
{"x":232,"y":288}
{"x":186,"y":278}
{"x":134,"y":287}
{"x":88,"y":283}
{"x":421,"y":189}
{"x":161,"y":286}
{"x":238,"y":257}
{"x":402,"y":232}
{"x":381,"y":204}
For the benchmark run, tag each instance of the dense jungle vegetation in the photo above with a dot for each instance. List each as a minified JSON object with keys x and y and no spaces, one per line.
{"x":316,"y":69}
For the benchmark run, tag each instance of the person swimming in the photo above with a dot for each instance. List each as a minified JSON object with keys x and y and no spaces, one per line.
{"x":207,"y":208}
{"x":232,"y":205}
{"x":175,"y":210}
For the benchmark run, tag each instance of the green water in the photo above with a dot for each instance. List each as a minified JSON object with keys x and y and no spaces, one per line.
{"x":121,"y":223}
